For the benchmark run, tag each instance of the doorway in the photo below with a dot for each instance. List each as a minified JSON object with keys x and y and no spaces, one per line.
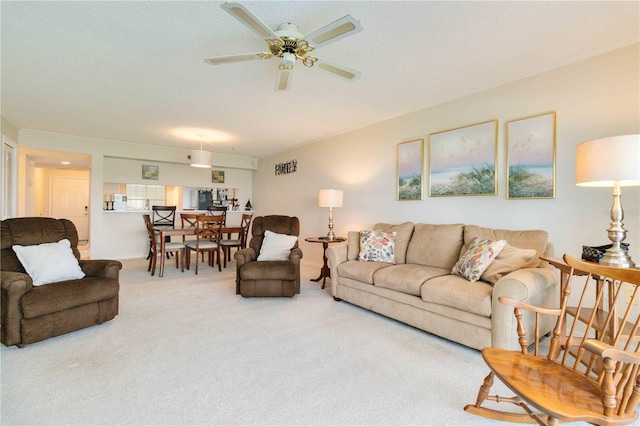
{"x":69,"y":199}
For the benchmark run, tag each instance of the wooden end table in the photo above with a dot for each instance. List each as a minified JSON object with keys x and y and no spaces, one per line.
{"x":325,"y":271}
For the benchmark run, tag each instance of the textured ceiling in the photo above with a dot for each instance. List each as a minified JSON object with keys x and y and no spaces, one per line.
{"x":134,"y":71}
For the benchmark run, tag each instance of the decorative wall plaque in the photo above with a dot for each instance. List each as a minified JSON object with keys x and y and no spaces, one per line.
{"x":285,"y":168}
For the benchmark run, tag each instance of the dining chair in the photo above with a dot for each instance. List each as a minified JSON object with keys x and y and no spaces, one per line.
{"x":241,"y":242}
{"x":207,"y":239}
{"x":188,"y":221}
{"x":218,"y":211}
{"x":155,"y":247}
{"x":164,"y":216}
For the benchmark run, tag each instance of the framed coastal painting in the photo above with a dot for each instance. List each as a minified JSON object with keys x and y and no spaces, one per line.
{"x":217,"y":176}
{"x":150,"y":172}
{"x":409,"y":170}
{"x":462,"y":161}
{"x":531,"y":152}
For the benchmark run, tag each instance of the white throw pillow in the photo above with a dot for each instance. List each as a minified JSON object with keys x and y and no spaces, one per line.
{"x":276,"y":246}
{"x":49,"y":262}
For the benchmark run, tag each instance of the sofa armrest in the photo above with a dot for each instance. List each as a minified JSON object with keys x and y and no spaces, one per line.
{"x":534,"y":286}
{"x":337,"y":254}
{"x":14,"y":286}
{"x":101,"y":268}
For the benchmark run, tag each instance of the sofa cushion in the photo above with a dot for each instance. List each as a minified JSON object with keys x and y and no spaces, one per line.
{"x":530,"y":239}
{"x":435,"y":245}
{"x":456,"y":292}
{"x":406,"y":278}
{"x":62,"y":295}
{"x":377,"y":246}
{"x":403,"y":236}
{"x":353,"y":245}
{"x":477,"y":258}
{"x":510,"y":259}
{"x":360,"y":271}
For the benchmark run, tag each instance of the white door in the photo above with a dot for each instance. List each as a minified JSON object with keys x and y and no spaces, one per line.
{"x":70,"y":200}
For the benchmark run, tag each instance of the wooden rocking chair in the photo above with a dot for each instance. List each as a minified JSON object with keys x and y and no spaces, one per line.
{"x":591,"y":372}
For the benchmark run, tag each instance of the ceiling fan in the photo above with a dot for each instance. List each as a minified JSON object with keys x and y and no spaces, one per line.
{"x":289,"y":45}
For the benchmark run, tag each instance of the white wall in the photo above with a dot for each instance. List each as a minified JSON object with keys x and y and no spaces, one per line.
{"x":594,"y":98}
{"x":113,"y":161}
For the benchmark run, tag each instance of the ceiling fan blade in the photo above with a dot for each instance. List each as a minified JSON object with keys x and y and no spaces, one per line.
{"x":283,"y":79}
{"x":348,"y":74}
{"x":341,"y":28}
{"x":218,"y":60}
{"x":242,"y":14}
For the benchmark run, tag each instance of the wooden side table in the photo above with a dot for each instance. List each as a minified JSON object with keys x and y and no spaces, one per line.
{"x":325,"y":271}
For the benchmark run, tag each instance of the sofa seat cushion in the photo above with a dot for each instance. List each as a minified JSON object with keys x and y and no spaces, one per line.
{"x":361,"y":271}
{"x":269,"y":270}
{"x":406,"y":278}
{"x":56,"y":297}
{"x":456,"y":292}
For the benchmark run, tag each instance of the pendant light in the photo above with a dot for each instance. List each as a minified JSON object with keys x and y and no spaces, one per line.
{"x":200,"y":158}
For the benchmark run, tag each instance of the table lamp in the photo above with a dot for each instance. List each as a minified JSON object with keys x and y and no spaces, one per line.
{"x":611,"y":162}
{"x":330,"y":198}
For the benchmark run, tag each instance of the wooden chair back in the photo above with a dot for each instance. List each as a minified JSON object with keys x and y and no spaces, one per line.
{"x":218,"y":211}
{"x":152,"y":235}
{"x":591,"y":370}
{"x":188,"y":220}
{"x":245,"y":223}
{"x":208,"y":228}
{"x":164,"y":215}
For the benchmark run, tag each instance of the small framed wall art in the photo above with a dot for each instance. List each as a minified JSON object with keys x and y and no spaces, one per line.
{"x":462,"y":161}
{"x":531,"y":152}
{"x":150,"y":172}
{"x":409,"y":170}
{"x":217,"y":176}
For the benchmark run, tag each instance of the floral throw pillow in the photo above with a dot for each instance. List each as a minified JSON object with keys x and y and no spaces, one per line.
{"x":377,"y":246}
{"x":478,"y":257}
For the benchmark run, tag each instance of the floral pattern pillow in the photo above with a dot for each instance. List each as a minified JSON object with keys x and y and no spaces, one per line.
{"x":478,"y":257}
{"x":377,"y":246}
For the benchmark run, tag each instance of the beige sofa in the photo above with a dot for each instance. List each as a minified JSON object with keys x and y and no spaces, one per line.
{"x":421,"y":290}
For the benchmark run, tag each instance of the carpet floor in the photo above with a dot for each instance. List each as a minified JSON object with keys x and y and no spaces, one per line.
{"x":186,"y":349}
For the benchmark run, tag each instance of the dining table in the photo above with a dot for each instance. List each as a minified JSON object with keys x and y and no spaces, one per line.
{"x":170,"y":231}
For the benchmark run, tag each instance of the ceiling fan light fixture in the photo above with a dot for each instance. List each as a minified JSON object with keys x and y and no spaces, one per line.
{"x":288,"y":60}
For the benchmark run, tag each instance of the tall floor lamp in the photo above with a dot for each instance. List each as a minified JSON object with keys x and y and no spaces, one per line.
{"x":330,"y":198}
{"x":611,"y":162}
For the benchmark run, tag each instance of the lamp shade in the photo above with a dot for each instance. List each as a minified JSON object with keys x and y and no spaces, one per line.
{"x":602,"y":162}
{"x":200,"y":158}
{"x":330,"y":198}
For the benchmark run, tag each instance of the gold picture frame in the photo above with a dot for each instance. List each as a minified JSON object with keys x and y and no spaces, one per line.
{"x":409,"y":170}
{"x":531,"y":157}
{"x":462,"y":161}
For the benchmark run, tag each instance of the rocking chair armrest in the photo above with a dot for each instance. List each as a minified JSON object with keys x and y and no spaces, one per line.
{"x":521,"y":305}
{"x":530,"y":286}
{"x":605,"y":350}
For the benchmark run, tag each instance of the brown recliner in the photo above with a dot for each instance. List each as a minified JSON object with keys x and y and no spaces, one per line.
{"x":31,"y":313}
{"x":273,"y":278}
